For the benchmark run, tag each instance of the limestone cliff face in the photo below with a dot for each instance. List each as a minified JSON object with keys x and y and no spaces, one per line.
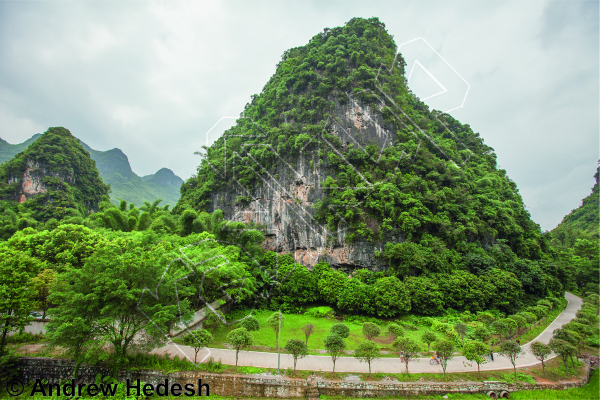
{"x":32,"y":181}
{"x":283,"y":201}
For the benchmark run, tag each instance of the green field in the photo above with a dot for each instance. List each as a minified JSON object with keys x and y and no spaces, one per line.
{"x":292,"y":329}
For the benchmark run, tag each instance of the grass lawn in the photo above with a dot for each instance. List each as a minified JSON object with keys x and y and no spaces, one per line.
{"x":265,"y":339}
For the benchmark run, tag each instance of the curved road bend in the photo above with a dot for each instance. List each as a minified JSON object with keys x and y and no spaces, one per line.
{"x":385,"y":365}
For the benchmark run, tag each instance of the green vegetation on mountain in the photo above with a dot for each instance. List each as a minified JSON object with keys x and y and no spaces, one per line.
{"x":576,"y":243}
{"x":8,"y":151}
{"x":52,"y":176}
{"x":469,"y":220}
{"x":115,"y":170}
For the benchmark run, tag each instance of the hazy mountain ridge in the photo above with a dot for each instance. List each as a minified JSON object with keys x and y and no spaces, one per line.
{"x":114,"y":169}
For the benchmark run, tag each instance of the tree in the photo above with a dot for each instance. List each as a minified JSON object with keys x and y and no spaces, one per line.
{"x":519,"y":320}
{"x":213,"y":320}
{"x":17,"y":296}
{"x":584,"y":331}
{"x":428,"y":337}
{"x":406,"y":348}
{"x":564,"y":350}
{"x":370,"y":330}
{"x":499,"y":327}
{"x":445,"y":350}
{"x":41,"y":284}
{"x":239,"y":338}
{"x":334,"y":345}
{"x":395,"y":330}
{"x":476,"y":351}
{"x":391,"y":298}
{"x":341,"y":330}
{"x":197,"y":340}
{"x":274,"y":323}
{"x":541,"y":351}
{"x":482,"y":333}
{"x":109,"y":295}
{"x":512,"y":351}
{"x":308,"y":330}
{"x":529,"y":317}
{"x":511,"y":326}
{"x":461,"y":329}
{"x":297,"y":348}
{"x":331,"y":284}
{"x":568,"y":336}
{"x":250,"y":323}
{"x":367,"y":352}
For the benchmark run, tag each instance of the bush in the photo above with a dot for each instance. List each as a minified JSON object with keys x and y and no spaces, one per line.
{"x":443,"y":327}
{"x":319,"y":312}
{"x":341,"y":330}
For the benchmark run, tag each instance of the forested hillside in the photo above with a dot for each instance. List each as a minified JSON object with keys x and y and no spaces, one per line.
{"x":427,"y":202}
{"x":115,"y":170}
{"x":52,"y":178}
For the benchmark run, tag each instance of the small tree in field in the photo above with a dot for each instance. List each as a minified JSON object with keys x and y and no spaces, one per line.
{"x":334,"y":345}
{"x":541,"y":351}
{"x":308,"y":330}
{"x":197,"y":340}
{"x":476,"y":351}
{"x":395,"y":330}
{"x":297,"y":348}
{"x":461,"y":328}
{"x":445,"y":350}
{"x":341,"y":330}
{"x":482,"y":333}
{"x":428,"y":337}
{"x":273,"y":323}
{"x":408,"y":348}
{"x":213,"y":321}
{"x":239,"y":338}
{"x":564,"y":350}
{"x":370,"y":330}
{"x":251,"y":324}
{"x":367,"y":352}
{"x":512,"y":351}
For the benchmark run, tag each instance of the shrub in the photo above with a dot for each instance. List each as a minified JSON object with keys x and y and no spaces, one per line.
{"x":341,"y":330}
{"x":319,"y":312}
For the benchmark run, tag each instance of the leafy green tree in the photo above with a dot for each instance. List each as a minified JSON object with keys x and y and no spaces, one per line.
{"x":274,"y":322}
{"x":462,"y":330}
{"x":584,"y":331}
{"x":482,"y":333}
{"x":499,"y":327}
{"x":529,"y":317}
{"x":564,"y":350}
{"x":428,"y":337}
{"x":298,"y":288}
{"x":519,"y":320}
{"x":239,"y":339}
{"x":512,"y":351}
{"x":508,"y":294}
{"x":197,"y":340}
{"x":406,"y":349}
{"x":476,"y":351}
{"x":41,"y":284}
{"x":425,"y":295}
{"x":334,"y":345}
{"x":342,"y":330}
{"x":213,"y":320}
{"x":17,"y":294}
{"x":370,"y":330}
{"x":331,"y":285}
{"x":112,"y":288}
{"x":297,"y":348}
{"x":445,"y":350}
{"x":308,"y":330}
{"x":356,"y":297}
{"x":395,"y":330}
{"x":391,"y":298}
{"x":250,"y":323}
{"x":541,"y":351}
{"x":485,"y":317}
{"x":367,"y":352}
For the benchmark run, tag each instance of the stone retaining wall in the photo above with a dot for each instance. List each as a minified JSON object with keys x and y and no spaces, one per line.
{"x":54,"y":370}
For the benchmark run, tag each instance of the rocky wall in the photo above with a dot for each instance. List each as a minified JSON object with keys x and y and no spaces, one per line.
{"x":56,"y":370}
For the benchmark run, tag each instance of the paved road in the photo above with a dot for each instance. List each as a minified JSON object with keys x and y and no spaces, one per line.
{"x":387,"y":365}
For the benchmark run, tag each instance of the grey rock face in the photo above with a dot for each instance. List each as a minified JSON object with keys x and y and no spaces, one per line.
{"x":283,"y":201}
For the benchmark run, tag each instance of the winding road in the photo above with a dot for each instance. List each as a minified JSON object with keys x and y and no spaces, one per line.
{"x":386,"y":365}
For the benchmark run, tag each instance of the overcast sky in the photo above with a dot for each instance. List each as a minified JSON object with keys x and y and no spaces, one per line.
{"x":152,"y":78}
